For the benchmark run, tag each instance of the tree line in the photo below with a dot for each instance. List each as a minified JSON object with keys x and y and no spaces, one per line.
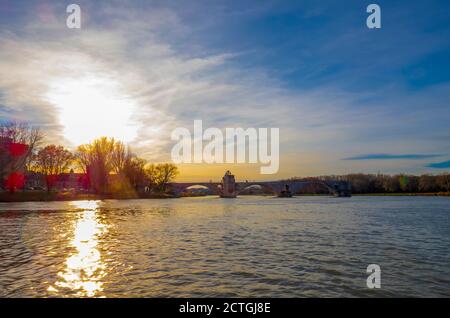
{"x":108,"y":164}
{"x":383,"y":183}
{"x":111,"y":166}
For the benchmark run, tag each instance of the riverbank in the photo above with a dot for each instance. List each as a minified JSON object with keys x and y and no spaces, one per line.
{"x":433,"y":194}
{"x":401,"y":194}
{"x":69,"y":196}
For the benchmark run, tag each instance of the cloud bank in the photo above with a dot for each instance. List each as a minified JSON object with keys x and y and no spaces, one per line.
{"x":163,"y":69}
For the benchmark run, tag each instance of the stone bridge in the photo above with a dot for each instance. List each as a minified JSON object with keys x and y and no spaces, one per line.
{"x":335,"y":187}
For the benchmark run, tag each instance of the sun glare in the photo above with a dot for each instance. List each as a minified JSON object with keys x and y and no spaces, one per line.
{"x":92,"y":106}
{"x":85,"y":268}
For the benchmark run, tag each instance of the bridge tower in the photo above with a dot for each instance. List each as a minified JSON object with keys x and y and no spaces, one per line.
{"x":228,"y":186}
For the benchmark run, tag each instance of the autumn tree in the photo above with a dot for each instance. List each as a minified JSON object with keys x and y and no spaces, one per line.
{"x":95,"y":159}
{"x":151,"y":176}
{"x":443,"y":182}
{"x":162,"y":174}
{"x":52,"y":161}
{"x":18,"y":142}
{"x":391,"y":184}
{"x":120,"y":157}
{"x":427,"y":183}
{"x":134,"y":171}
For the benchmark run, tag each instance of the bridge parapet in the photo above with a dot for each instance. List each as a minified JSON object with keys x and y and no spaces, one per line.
{"x":338,"y":188}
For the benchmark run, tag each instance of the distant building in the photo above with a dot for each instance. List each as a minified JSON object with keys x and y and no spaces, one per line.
{"x":34,"y":180}
{"x":228,"y":186}
{"x":63,"y":181}
{"x":72,"y":180}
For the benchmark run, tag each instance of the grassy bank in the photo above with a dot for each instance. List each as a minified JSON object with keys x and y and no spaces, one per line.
{"x":387,"y":194}
{"x":68,"y":196}
{"x":433,"y":194}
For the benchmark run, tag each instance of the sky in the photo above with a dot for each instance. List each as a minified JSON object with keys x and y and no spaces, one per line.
{"x":346,"y":98}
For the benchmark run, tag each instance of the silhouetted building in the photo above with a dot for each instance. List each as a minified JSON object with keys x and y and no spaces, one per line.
{"x":228,"y":186}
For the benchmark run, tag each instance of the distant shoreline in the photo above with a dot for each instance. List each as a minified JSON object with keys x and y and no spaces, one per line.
{"x":387,"y":194}
{"x":401,"y":194}
{"x":56,"y":196}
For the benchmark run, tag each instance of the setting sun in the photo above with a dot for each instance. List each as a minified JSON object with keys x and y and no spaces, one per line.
{"x":92,"y":106}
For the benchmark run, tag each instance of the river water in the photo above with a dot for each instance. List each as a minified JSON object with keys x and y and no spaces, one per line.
{"x":210,"y":247}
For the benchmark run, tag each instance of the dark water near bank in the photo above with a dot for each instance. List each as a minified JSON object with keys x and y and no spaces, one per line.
{"x":251,"y":246}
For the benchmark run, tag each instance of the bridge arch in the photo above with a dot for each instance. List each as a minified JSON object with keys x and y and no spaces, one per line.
{"x":266,"y":188}
{"x":179,"y":188}
{"x":296,"y":187}
{"x":293,"y":186}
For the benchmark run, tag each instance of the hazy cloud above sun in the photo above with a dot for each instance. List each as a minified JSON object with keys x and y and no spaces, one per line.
{"x":136,"y":70}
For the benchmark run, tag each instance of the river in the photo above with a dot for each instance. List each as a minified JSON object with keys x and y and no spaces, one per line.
{"x":211,"y":247}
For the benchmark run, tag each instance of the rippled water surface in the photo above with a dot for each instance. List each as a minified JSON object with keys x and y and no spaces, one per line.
{"x":207,"y":247}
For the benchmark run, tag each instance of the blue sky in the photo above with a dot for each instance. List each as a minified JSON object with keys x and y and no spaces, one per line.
{"x":336,"y":89}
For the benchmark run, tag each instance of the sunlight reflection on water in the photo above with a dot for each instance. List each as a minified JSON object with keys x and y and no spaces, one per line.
{"x":211,"y":247}
{"x":84,"y":268}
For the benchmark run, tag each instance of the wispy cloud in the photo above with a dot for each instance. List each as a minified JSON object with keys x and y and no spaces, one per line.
{"x":175,"y":63}
{"x":385,"y":156}
{"x":439,"y":165}
{"x":167,"y":86}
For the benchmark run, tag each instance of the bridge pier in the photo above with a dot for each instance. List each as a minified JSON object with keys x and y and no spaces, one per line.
{"x":228,"y":186}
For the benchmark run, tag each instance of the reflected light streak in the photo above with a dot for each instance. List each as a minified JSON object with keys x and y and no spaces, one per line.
{"x":84,"y":268}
